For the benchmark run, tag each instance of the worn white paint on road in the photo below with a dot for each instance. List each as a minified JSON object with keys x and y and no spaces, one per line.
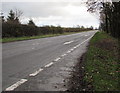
{"x":68,"y":42}
{"x":36,"y":72}
{"x":49,"y":64}
{"x":12,"y":87}
{"x":57,"y":59}
{"x":63,"y":55}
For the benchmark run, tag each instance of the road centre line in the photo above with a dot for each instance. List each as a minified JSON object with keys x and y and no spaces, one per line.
{"x":12,"y":87}
{"x":68,"y":42}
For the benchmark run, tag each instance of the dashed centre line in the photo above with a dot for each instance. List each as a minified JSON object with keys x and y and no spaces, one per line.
{"x":68,"y":42}
{"x":12,"y":87}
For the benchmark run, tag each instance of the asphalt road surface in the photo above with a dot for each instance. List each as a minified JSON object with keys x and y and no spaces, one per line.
{"x":33,"y":65}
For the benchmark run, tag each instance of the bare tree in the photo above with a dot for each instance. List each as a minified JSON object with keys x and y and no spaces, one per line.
{"x":18,"y":13}
{"x":109,"y":15}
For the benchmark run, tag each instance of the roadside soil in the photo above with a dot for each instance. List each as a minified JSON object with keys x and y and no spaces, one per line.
{"x":76,"y":81}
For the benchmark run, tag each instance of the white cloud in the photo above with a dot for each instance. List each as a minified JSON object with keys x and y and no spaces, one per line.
{"x":54,"y":13}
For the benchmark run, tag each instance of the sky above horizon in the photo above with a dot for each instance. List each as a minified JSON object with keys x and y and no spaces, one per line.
{"x":65,"y":14}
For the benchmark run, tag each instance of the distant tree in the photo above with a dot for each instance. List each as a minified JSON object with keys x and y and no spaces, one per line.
{"x":11,"y":16}
{"x":14,"y":16}
{"x":82,"y":27}
{"x":91,"y":27}
{"x":2,"y":18}
{"x":31,"y":23}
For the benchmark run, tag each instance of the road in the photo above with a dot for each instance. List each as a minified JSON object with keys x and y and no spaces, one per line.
{"x":28,"y":60}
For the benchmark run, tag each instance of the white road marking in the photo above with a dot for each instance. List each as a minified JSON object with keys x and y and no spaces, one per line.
{"x":75,"y":47}
{"x":49,"y":64}
{"x":72,"y":49}
{"x":68,"y":42}
{"x":68,"y":51}
{"x":57,"y":59}
{"x":78,"y":45}
{"x":86,"y":40}
{"x":86,"y":35}
{"x":63,"y":55}
{"x":12,"y":87}
{"x":83,"y":41}
{"x":36,"y":72}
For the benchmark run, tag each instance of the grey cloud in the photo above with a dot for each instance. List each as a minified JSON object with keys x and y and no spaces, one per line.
{"x":53,"y":13}
{"x":35,"y":9}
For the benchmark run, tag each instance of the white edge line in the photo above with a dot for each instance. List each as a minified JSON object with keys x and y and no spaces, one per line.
{"x":75,"y":47}
{"x":12,"y":87}
{"x":49,"y":64}
{"x":87,"y":39}
{"x":63,"y":55}
{"x":78,"y":45}
{"x":57,"y":59}
{"x":36,"y":72}
{"x":68,"y":51}
{"x":72,"y":49}
{"x":83,"y":41}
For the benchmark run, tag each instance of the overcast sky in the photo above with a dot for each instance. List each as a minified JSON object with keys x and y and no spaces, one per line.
{"x":66,"y":14}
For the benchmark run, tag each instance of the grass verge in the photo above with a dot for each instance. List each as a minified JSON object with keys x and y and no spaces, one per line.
{"x":102,"y":63}
{"x":12,"y":39}
{"x":97,"y":69}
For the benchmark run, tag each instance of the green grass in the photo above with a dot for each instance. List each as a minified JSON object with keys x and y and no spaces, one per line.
{"x":102,"y":63}
{"x":12,"y":39}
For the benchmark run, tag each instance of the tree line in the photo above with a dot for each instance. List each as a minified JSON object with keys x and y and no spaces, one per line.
{"x":12,"y":27}
{"x":109,"y":15}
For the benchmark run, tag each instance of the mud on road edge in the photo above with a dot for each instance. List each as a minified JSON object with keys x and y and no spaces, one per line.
{"x":76,"y":81}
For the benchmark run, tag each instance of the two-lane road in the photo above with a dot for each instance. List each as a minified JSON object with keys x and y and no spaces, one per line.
{"x":22,"y":58}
